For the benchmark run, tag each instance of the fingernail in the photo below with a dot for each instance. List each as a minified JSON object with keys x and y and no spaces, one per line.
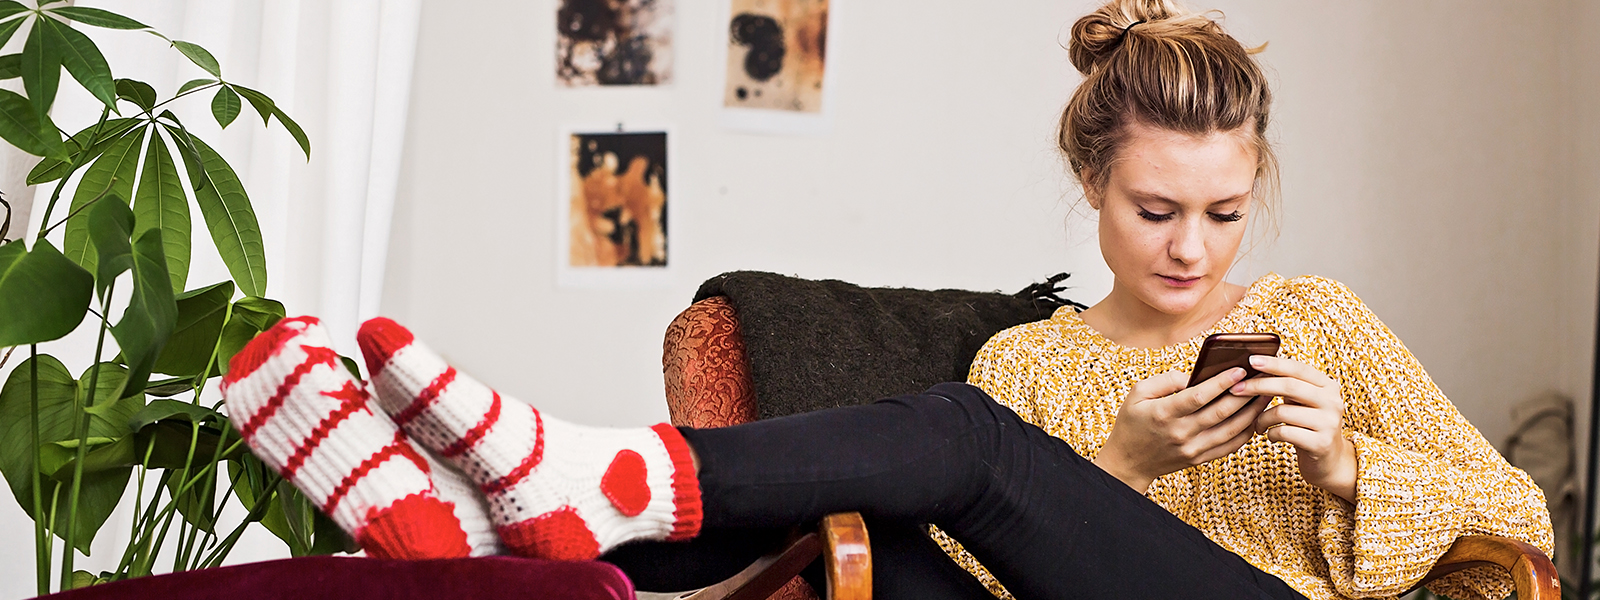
{"x":1238,"y":373}
{"x":1258,"y":361}
{"x":1237,"y":390}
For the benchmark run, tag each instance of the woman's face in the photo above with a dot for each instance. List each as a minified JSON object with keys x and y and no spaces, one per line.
{"x":1172,"y":215}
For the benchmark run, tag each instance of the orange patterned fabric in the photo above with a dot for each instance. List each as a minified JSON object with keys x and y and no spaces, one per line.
{"x":708,"y":382}
{"x":708,"y":376}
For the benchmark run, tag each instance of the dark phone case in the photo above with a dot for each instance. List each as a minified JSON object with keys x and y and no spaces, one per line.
{"x":1223,"y":351}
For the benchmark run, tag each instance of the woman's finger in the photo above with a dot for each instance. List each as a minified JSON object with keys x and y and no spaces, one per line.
{"x":1240,"y":422}
{"x":1290,"y":388}
{"x":1294,"y":415}
{"x":1193,"y":399}
{"x":1300,"y":437}
{"x":1288,"y":367}
{"x":1159,"y":386}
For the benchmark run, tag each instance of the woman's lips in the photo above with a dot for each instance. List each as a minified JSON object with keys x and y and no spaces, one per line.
{"x":1180,"y":281}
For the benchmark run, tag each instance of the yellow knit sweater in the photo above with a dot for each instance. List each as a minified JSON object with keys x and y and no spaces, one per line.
{"x":1425,"y":475}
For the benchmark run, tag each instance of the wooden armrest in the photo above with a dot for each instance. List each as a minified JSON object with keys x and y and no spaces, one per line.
{"x":842,"y":542}
{"x":1535,"y":575}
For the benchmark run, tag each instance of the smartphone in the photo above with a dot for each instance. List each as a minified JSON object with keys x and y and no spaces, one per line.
{"x":1223,"y":351}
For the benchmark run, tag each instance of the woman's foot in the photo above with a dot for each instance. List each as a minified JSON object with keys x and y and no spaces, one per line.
{"x":302,"y":413}
{"x":555,"y":489}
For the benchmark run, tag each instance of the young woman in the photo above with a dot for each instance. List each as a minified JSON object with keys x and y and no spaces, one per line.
{"x":1074,"y":463}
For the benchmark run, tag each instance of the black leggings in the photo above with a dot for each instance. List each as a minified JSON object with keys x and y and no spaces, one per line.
{"x":1045,"y":521}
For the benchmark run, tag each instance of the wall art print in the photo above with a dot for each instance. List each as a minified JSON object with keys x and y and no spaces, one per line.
{"x":777,"y":55}
{"x":615,"y":215}
{"x":614,"y":42}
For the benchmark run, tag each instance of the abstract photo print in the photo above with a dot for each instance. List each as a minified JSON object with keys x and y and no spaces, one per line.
{"x":617,"y":214}
{"x":776,"y":55}
{"x":614,"y":42}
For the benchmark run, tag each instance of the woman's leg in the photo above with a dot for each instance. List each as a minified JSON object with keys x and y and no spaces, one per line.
{"x":1047,"y":522}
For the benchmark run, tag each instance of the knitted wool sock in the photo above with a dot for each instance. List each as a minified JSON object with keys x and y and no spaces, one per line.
{"x":302,"y":413}
{"x":555,"y":489}
{"x":471,"y":508}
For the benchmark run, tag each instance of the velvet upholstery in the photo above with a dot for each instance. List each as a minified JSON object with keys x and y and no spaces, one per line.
{"x":353,"y":578}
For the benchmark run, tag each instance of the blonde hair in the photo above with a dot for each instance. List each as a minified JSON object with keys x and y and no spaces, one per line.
{"x":1154,"y":63}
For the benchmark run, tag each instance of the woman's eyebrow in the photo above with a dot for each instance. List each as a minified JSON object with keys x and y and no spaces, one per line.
{"x":1153,"y":197}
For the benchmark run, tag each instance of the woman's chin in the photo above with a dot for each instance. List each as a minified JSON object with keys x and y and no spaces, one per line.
{"x":1174,"y":302}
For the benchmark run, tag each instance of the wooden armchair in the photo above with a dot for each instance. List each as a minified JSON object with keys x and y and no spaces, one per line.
{"x":708,"y":385}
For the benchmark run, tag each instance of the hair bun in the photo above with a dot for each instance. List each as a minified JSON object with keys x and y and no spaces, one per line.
{"x":1097,"y":36}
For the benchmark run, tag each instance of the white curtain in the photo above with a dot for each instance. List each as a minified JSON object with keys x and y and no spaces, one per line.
{"x":343,"y":71}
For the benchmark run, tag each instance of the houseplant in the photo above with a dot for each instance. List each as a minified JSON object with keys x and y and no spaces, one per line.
{"x":71,"y":443}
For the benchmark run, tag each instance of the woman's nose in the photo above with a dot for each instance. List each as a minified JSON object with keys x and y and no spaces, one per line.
{"x":1187,"y":245}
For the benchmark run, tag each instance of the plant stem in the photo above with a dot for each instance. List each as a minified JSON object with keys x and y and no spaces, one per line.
{"x":41,"y":548}
{"x":82,"y":433}
{"x":85,"y":207}
{"x":77,"y":163}
{"x":50,"y":540}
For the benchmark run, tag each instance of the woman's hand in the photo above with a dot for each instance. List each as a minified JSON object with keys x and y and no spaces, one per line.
{"x":1311,"y":417}
{"x":1163,"y":428}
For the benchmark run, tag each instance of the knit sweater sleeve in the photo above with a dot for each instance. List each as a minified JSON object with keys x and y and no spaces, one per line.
{"x":1425,"y":476}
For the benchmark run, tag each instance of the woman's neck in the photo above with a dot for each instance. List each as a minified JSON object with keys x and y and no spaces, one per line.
{"x":1125,"y":319}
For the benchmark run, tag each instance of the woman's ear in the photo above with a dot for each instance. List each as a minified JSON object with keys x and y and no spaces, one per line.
{"x":1093,"y":193}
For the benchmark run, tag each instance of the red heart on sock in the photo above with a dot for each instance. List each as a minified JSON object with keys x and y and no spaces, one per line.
{"x":624,"y":483}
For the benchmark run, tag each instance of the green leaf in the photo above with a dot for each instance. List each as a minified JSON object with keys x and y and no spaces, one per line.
{"x":9,"y":28}
{"x":232,"y":222}
{"x":294,"y":130}
{"x":51,"y":169}
{"x":194,"y":83}
{"x":185,"y":142}
{"x":169,"y":387}
{"x":137,"y":92}
{"x":225,"y":106}
{"x":57,"y":391}
{"x":108,"y":405}
{"x":249,"y":317}
{"x":111,"y":228}
{"x":82,"y":60}
{"x":41,"y":66}
{"x":21,"y":125}
{"x":111,"y":174}
{"x":151,"y":312}
{"x":160,"y":203}
{"x":201,"y":314}
{"x":264,"y":106}
{"x":166,"y":440}
{"x":267,"y":108}
{"x":329,"y":538}
{"x":199,"y":56}
{"x":11,"y":7}
{"x":11,"y":66}
{"x":43,"y":296}
{"x":56,"y":458}
{"x":98,"y":17}
{"x":174,"y":410}
{"x":58,"y":412}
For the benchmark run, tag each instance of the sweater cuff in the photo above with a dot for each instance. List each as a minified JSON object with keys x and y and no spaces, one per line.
{"x":1408,"y":512}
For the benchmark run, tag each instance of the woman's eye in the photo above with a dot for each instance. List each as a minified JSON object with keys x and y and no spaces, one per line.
{"x":1150,"y":216}
{"x":1229,"y":217}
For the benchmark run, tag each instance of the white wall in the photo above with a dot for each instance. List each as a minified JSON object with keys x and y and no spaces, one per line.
{"x":1426,"y":164}
{"x":1439,"y":157}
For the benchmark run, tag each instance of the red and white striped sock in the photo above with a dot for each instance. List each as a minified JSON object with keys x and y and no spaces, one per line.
{"x":302,"y":413}
{"x":555,"y":489}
